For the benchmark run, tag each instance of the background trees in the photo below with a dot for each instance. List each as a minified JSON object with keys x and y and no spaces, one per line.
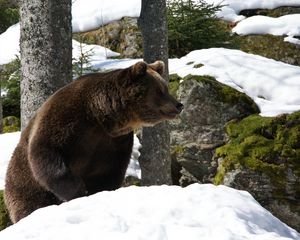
{"x":155,"y":153}
{"x":46,"y":51}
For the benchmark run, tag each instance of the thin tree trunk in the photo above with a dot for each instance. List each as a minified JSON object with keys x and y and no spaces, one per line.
{"x":1,"y":114}
{"x":46,"y":51}
{"x":155,"y":158}
{"x":1,"y":107}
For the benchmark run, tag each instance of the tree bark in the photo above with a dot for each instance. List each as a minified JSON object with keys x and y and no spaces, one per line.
{"x":46,"y":51}
{"x":155,"y":157}
{"x":1,"y":114}
{"x":1,"y":107}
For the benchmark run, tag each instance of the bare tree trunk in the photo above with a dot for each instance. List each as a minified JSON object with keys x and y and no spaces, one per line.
{"x":1,"y":108}
{"x":155,"y":157}
{"x":46,"y":51}
{"x":1,"y":114}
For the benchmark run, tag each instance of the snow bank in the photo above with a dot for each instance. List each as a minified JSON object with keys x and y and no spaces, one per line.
{"x":285,"y":25}
{"x":273,"y":85}
{"x":9,"y":44}
{"x":196,"y":212}
{"x":9,"y":47}
{"x":9,"y":141}
{"x":96,"y":52}
{"x":231,"y":8}
{"x":90,"y":14}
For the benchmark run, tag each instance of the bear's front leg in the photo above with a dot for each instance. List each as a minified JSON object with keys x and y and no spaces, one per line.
{"x":50,"y":171}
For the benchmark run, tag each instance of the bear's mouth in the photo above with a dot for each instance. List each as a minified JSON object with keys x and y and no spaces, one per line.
{"x":169,"y":115}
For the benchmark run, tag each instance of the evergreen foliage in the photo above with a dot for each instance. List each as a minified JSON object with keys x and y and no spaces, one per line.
{"x":194,"y":25}
{"x":10,"y":77}
{"x":82,"y":65}
{"x":9,"y":14}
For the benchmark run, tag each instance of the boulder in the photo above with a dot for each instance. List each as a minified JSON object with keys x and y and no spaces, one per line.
{"x":121,"y":36}
{"x":262,"y":157}
{"x":279,"y":50}
{"x":199,"y":130}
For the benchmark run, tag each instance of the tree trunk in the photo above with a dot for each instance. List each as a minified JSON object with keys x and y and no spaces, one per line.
{"x":1,"y":108}
{"x":46,"y":51}
{"x":1,"y":114}
{"x":155,"y":157}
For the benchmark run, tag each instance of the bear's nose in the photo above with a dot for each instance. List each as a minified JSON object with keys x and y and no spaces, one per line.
{"x":179,"y":107}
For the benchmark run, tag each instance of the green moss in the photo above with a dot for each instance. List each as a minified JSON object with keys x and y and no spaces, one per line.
{"x":263,"y":144}
{"x":11,"y":124}
{"x":198,"y":65}
{"x":4,"y":218}
{"x":189,"y":63}
{"x":174,"y":82}
{"x":177,"y":149}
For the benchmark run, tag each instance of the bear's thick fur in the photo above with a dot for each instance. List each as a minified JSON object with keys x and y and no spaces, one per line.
{"x":79,"y":142}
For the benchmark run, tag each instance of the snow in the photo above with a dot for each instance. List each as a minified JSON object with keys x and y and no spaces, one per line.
{"x":292,"y":40}
{"x":273,"y":85}
{"x":85,"y":17}
{"x":285,"y":25}
{"x":205,"y":212}
{"x":231,"y":8}
{"x":9,"y":47}
{"x":9,"y":141}
{"x":9,"y":44}
{"x":97,"y":52}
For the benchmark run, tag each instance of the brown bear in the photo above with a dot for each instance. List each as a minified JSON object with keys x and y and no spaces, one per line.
{"x":80,"y":140}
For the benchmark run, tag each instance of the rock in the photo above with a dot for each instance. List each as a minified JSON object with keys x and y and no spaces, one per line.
{"x":262,"y":157}
{"x":121,"y":36}
{"x":4,"y":218}
{"x":11,"y":124}
{"x":208,"y":106}
{"x":277,"y":12}
{"x":279,"y":50}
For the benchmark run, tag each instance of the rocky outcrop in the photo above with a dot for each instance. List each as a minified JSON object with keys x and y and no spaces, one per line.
{"x":121,"y":36}
{"x":271,"y":47}
{"x":199,"y":130}
{"x":219,"y":138}
{"x":262,"y":157}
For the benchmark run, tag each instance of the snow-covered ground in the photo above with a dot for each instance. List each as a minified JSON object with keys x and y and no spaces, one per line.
{"x":9,"y":141}
{"x":90,"y":14}
{"x":161,"y":213}
{"x":205,"y":212}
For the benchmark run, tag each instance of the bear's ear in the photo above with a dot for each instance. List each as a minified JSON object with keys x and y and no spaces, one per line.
{"x":139,"y":69}
{"x":158,"y":66}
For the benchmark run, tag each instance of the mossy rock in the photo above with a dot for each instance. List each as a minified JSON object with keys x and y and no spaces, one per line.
{"x":272,"y":47}
{"x":122,"y":36}
{"x":224,"y":93}
{"x":4,"y":217}
{"x":174,"y":82}
{"x":277,"y":12}
{"x":11,"y":124}
{"x":266,"y":152}
{"x":199,"y":129}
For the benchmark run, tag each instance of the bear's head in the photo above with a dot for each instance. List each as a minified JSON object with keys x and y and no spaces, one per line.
{"x":152,"y":100}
